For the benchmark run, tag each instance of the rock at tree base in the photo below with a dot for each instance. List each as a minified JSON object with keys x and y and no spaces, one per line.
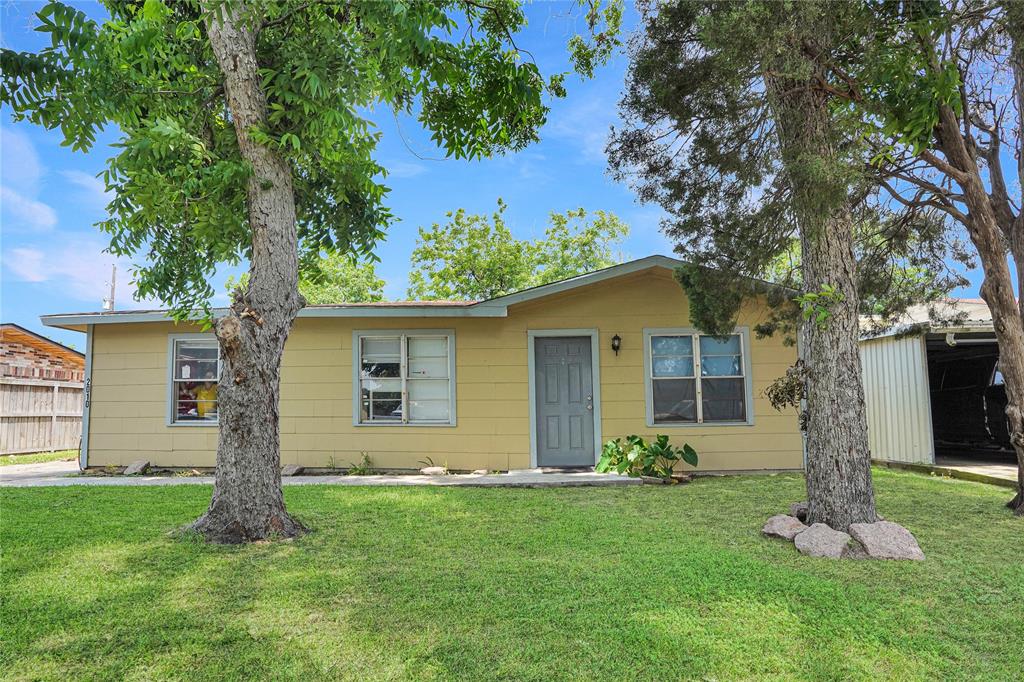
{"x":799,"y":510}
{"x":820,"y":540}
{"x":782,"y":526}
{"x":139,"y":466}
{"x":292,"y":470}
{"x":434,"y":471}
{"x":887,"y":540}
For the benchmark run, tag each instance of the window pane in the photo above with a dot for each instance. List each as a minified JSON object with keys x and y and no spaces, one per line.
{"x":387,"y":346}
{"x":428,"y":410}
{"x":381,"y":369}
{"x":673,"y":366}
{"x":382,"y":386}
{"x":195,"y":401}
{"x":434,"y":368}
{"x":428,"y":347}
{"x":428,"y":400}
{"x":672,"y":345}
{"x":382,"y":410}
{"x":723,"y":400}
{"x":428,"y":389}
{"x":675,"y":400}
{"x":194,"y":360}
{"x":709,"y":345}
{"x":721,"y":366}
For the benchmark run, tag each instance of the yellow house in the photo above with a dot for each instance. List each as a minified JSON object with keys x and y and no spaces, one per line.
{"x":541,"y":377}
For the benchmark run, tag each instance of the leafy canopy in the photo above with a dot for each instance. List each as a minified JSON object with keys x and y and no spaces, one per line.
{"x":177,"y":176}
{"x":339,"y":279}
{"x":700,"y":139}
{"x":475,"y":257}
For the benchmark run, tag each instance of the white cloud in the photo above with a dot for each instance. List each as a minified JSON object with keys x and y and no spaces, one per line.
{"x":23,"y":213}
{"x":19,"y":164}
{"x":20,"y":172}
{"x":79,"y":269}
{"x":93,"y":190}
{"x":585,"y":123}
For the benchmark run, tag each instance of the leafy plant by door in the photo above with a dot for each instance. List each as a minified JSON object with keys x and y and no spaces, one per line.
{"x":641,"y":458}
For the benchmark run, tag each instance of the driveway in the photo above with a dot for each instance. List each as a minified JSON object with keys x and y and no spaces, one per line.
{"x":24,"y":474}
{"x":52,"y":474}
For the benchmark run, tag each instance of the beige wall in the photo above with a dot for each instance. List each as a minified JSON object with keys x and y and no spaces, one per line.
{"x":129,"y":379}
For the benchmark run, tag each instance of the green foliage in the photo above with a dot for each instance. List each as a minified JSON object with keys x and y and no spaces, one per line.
{"x":816,"y":305}
{"x":178,"y":178}
{"x":476,"y":257}
{"x":338,"y":279}
{"x":700,"y":138}
{"x":363,"y":468}
{"x":640,"y":458}
{"x":789,"y":390}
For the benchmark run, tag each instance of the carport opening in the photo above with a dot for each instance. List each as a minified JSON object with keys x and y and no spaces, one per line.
{"x":968,"y":399}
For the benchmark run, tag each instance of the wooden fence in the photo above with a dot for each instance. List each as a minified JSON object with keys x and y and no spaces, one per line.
{"x":39,"y":415}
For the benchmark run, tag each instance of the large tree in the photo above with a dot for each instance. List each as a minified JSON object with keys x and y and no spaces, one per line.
{"x":476,"y":257}
{"x":732,"y":127}
{"x":939,"y":92}
{"x":243,"y":135}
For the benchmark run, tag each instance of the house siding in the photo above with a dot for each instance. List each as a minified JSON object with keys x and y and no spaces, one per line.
{"x":130,"y":375}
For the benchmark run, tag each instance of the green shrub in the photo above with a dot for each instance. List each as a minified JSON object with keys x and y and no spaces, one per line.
{"x":640,"y":458}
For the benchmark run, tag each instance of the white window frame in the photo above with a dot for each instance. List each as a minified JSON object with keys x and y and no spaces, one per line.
{"x":357,"y":397}
{"x":172,"y":341}
{"x":748,"y":381}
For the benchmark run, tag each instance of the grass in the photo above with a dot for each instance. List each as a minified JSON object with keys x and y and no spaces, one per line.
{"x":38,"y":457}
{"x":459,"y":583}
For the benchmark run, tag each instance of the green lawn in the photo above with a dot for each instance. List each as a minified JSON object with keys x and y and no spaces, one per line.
{"x":581,"y":583}
{"x":37,"y":457}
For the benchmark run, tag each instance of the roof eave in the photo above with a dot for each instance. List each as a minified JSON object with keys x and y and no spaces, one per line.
{"x":78,"y":321}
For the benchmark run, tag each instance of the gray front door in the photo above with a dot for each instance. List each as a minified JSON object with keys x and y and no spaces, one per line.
{"x":565,"y":401}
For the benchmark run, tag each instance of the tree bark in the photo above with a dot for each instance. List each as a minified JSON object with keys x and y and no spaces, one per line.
{"x":997,"y":285}
{"x":247,"y":502}
{"x":839,"y":486}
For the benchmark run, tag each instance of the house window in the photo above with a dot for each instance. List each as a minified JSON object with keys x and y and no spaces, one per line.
{"x":405,"y":378}
{"x":195,"y":369}
{"x":695,"y":379}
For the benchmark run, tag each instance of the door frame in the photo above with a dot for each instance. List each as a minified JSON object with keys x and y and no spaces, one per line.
{"x":595,"y":371}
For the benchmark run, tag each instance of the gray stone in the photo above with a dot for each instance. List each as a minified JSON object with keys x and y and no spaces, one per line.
{"x":481,"y":472}
{"x":292,"y":470}
{"x":782,"y":526}
{"x":887,"y":540}
{"x":434,"y":471}
{"x":799,"y":510}
{"x":820,"y":540}
{"x":139,"y":466}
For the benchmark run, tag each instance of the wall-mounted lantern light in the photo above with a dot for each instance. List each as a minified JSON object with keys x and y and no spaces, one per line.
{"x":616,"y":343}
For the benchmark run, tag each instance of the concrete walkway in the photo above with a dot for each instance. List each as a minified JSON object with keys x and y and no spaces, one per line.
{"x":66,"y":473}
{"x":991,"y":469}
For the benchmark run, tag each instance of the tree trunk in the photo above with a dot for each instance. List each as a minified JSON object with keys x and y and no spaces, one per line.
{"x":839,"y":487}
{"x":248,"y":503}
{"x":997,"y":285}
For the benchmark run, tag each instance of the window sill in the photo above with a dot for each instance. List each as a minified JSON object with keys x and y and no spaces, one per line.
{"x":696,"y":425}
{"x":406,"y":426}
{"x":192,"y":425}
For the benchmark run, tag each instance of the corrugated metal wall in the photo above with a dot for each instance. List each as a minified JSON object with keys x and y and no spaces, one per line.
{"x":898,"y":404}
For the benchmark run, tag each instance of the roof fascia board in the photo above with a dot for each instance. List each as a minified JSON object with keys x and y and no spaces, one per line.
{"x":64,"y":321}
{"x":583,"y":280}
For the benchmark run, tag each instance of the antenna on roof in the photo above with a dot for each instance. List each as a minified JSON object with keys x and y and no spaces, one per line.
{"x":108,"y":303}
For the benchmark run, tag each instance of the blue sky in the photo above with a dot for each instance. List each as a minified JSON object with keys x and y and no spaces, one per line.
{"x":53,"y":258}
